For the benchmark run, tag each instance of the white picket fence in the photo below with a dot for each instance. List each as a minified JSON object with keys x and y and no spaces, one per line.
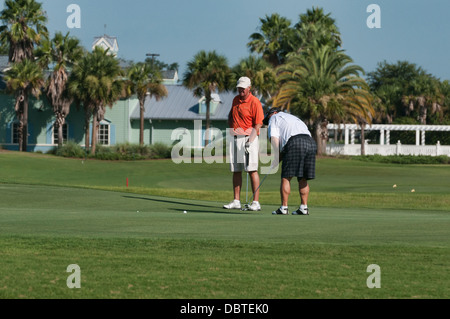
{"x":385,"y":147}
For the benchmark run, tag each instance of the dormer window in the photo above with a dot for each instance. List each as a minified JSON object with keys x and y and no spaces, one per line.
{"x":215,"y":101}
{"x":107,"y":42}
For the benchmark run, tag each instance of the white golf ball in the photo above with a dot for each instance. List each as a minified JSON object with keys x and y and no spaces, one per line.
{"x":185,"y":212}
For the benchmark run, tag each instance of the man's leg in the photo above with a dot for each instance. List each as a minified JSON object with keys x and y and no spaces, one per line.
{"x":237,"y":185}
{"x":252,"y":162}
{"x":254,"y":177}
{"x":285,"y":190}
{"x":236,"y":167}
{"x":303,"y":188}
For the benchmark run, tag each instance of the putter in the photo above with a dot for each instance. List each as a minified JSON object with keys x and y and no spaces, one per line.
{"x":251,"y":199}
{"x":246,"y":191}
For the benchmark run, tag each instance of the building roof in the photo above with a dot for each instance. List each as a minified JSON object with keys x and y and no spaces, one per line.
{"x":181,"y":104}
{"x":4,"y":63}
{"x":170,"y":74}
{"x":170,"y":77}
{"x":106,"y":42}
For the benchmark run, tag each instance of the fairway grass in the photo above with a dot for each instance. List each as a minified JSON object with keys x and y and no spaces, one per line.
{"x":338,"y":183}
{"x":210,"y":269}
{"x":141,"y":246}
{"x":135,"y":242}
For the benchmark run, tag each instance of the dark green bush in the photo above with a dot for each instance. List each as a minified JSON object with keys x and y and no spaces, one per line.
{"x":404,"y":159}
{"x":106,"y":153}
{"x":160,"y":150}
{"x":69,"y":149}
{"x":133,"y":152}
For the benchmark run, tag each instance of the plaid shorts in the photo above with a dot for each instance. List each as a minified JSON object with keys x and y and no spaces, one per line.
{"x":299,"y":157}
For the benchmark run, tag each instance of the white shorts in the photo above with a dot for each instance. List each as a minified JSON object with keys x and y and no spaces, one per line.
{"x":239,"y":159}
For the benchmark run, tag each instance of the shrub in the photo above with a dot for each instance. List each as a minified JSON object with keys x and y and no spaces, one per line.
{"x":132,"y":151}
{"x":125,"y":151}
{"x":106,"y":153}
{"x":160,"y":150}
{"x":404,"y":159}
{"x":70,"y":149}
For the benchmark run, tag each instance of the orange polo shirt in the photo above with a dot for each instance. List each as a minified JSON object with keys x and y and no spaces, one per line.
{"x":244,"y":115}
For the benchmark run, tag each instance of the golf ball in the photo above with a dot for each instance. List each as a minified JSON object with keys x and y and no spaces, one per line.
{"x":185,"y":212}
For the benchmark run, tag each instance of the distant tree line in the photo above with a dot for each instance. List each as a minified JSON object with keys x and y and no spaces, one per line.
{"x":302,"y":68}
{"x":298,"y":67}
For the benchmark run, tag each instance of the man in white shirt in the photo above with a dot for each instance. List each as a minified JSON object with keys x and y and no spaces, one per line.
{"x":291,"y":138}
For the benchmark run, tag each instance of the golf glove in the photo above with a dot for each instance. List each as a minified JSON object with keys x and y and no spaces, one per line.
{"x":247,"y":147}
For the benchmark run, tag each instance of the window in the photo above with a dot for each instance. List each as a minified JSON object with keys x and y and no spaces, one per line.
{"x":55,"y":133}
{"x":214,"y":103}
{"x":103,"y":134}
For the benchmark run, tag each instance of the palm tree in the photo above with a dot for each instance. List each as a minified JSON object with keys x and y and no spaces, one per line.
{"x":315,"y":28}
{"x":23,"y":28}
{"x":441,"y":107}
{"x":263,"y":76}
{"x":143,"y":80}
{"x":62,"y":52}
{"x":24,"y":78}
{"x":385,"y":100}
{"x":274,"y":40}
{"x":207,"y":73}
{"x":320,"y":86}
{"x":407,"y":87}
{"x":95,"y":82}
{"x":422,"y":94}
{"x":358,"y":107}
{"x":78,"y":89}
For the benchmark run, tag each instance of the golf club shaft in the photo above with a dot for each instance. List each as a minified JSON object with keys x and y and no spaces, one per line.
{"x":251,"y":199}
{"x":246,"y":191}
{"x":247,"y":157}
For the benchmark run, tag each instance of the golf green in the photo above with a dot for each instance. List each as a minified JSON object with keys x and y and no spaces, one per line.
{"x":141,"y":246}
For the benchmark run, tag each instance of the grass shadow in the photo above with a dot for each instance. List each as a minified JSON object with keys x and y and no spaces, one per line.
{"x":168,"y":201}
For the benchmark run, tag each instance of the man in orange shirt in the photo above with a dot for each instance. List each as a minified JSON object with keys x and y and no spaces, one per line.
{"x":245,"y":119}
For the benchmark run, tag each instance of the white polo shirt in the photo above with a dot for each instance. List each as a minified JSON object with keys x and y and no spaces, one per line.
{"x":284,"y":125}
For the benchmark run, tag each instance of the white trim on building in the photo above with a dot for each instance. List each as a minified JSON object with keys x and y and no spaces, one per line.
{"x":385,"y":148}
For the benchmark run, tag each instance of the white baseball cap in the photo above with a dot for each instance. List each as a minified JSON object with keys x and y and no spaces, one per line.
{"x":244,"y":82}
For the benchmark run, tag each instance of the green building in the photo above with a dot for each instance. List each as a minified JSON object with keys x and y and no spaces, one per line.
{"x":180,"y":109}
{"x":121,"y":124}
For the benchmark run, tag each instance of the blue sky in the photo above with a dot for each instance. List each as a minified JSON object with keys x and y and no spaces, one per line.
{"x":417,"y":31}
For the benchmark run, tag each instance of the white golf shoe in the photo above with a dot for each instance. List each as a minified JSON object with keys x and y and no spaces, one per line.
{"x":301,"y":211}
{"x":235,"y":204}
{"x":254,"y":206}
{"x":280,"y":211}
